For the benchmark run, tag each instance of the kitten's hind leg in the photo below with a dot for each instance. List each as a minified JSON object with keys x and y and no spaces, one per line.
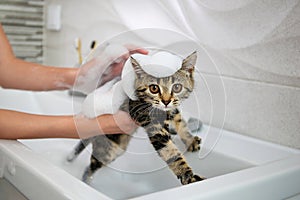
{"x":106,"y":148}
{"x":95,"y":164}
{"x":78,"y":149}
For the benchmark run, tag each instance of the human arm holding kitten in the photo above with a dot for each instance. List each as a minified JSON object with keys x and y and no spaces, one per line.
{"x":19,"y":74}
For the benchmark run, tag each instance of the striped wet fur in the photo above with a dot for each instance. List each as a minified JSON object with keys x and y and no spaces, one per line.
{"x":156,"y":110}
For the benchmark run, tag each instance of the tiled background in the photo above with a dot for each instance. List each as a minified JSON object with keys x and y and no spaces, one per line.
{"x":249,"y":54}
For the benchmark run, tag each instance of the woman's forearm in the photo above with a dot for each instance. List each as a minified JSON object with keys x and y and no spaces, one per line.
{"x":19,"y":125}
{"x":19,"y":74}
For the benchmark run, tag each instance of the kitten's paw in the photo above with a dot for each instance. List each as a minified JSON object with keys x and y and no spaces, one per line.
{"x":71,"y":157}
{"x":191,"y":178}
{"x":198,"y":178}
{"x":87,"y":176}
{"x":195,"y":144}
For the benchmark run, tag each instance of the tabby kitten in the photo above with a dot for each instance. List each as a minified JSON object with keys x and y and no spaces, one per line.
{"x":156,"y":111}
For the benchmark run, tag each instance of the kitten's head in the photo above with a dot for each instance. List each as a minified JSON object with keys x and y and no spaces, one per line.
{"x":168,"y":92}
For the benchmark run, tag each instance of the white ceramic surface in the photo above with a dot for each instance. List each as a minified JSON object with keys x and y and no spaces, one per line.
{"x":238,"y":167}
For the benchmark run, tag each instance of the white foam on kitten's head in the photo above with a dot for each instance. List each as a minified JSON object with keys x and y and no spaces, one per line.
{"x":160,"y":64}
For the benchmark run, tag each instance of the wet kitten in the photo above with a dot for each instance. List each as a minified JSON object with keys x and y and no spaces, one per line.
{"x":156,"y":111}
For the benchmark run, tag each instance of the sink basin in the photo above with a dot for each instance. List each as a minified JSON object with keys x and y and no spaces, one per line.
{"x":238,"y":167}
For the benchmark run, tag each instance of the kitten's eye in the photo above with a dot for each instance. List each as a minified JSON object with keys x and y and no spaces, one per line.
{"x":154,"y":89}
{"x":177,"y":88}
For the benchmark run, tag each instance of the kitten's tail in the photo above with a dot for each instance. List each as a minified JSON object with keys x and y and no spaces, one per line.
{"x":82,"y":144}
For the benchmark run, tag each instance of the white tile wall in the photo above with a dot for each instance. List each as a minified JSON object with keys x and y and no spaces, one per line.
{"x":266,"y":111}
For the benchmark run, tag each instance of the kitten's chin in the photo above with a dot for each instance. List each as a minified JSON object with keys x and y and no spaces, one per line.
{"x":168,"y":109}
{"x":164,"y":108}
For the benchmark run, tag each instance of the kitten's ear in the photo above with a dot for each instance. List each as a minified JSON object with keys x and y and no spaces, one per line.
{"x":188,"y":64}
{"x":136,"y":67}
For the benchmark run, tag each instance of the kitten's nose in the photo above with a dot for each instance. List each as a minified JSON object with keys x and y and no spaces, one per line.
{"x":166,"y":102}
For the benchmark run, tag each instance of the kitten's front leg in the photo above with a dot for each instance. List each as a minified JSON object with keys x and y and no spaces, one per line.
{"x":192,"y":142}
{"x":167,"y":150}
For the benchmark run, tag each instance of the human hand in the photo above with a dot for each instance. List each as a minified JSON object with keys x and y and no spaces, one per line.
{"x":124,"y":122}
{"x":117,"y":123}
{"x":102,"y":65}
{"x":115,"y":69}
